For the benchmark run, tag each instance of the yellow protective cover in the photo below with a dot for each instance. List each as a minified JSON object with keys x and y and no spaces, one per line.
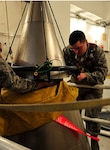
{"x":15,"y":122}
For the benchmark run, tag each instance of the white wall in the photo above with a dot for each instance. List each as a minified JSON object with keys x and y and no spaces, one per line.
{"x":10,"y":16}
{"x":62,"y":13}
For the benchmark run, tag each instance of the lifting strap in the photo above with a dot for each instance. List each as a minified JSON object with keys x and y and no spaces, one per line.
{"x":64,"y":106}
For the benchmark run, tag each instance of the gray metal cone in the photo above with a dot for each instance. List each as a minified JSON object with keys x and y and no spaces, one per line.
{"x":31,"y":49}
{"x":38,"y":39}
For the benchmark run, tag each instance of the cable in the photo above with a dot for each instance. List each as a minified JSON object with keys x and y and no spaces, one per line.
{"x":7,"y":21}
{"x":45,"y":67}
{"x":56,"y":24}
{"x":10,"y":51}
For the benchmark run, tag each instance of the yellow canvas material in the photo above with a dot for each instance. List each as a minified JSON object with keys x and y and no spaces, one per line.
{"x":15,"y":122}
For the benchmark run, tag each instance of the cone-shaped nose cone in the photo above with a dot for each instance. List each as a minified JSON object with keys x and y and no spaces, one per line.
{"x":38,"y":39}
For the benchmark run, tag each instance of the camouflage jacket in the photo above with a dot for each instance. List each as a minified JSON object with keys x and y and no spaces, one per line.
{"x":93,"y":63}
{"x":9,"y":80}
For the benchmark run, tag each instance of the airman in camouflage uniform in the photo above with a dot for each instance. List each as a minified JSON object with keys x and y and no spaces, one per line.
{"x":93,"y":70}
{"x":10,"y":80}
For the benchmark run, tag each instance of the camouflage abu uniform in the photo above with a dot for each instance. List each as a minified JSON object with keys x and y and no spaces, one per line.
{"x":94,"y":64}
{"x":10,"y":80}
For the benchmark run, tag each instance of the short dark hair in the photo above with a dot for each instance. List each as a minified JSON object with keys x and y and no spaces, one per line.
{"x":76,"y":36}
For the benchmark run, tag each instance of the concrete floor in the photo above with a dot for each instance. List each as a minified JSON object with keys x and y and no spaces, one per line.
{"x":104,"y":142}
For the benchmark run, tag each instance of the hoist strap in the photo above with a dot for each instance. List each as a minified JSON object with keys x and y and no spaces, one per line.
{"x":64,"y":106}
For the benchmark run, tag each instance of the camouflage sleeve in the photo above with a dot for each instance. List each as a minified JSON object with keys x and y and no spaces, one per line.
{"x":67,"y":57}
{"x":100,"y":69}
{"x":66,"y":52}
{"x":10,"y":80}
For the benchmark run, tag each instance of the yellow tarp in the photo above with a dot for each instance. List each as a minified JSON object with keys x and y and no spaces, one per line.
{"x":14,"y":122}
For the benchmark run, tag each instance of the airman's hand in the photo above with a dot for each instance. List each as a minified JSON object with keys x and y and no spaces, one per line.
{"x":81,"y":76}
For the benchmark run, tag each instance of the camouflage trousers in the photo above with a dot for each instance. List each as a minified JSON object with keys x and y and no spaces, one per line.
{"x":92,"y":128}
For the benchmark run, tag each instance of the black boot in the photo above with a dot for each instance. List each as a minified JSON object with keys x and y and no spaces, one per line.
{"x":94,"y":145}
